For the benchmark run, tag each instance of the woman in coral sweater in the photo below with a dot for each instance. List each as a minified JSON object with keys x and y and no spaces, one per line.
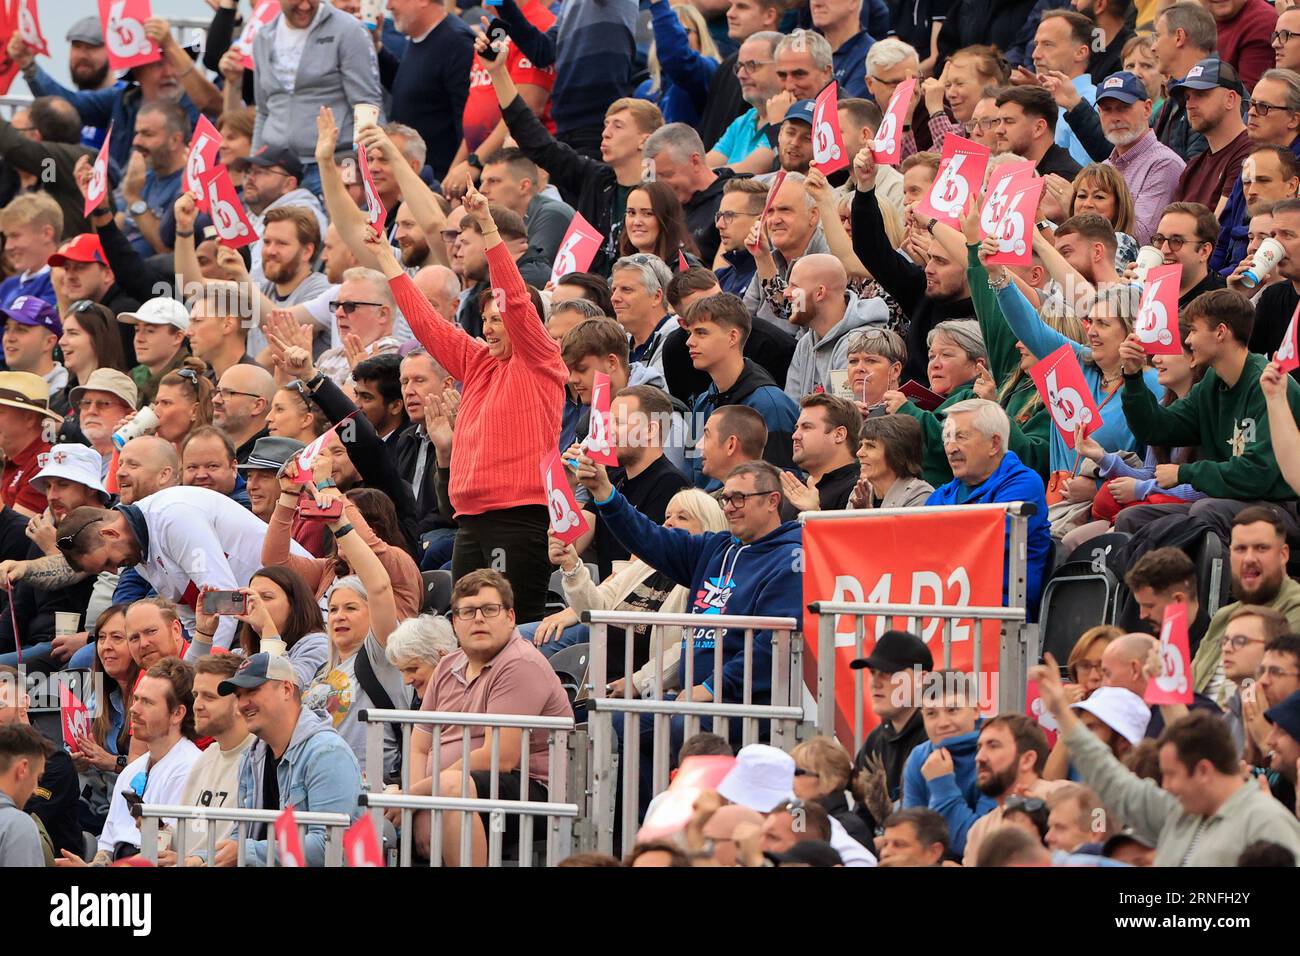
{"x":512,"y":393}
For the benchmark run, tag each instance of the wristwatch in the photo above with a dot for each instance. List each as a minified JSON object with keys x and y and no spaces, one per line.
{"x":121,"y":762}
{"x":138,"y":208}
{"x":474,"y":161}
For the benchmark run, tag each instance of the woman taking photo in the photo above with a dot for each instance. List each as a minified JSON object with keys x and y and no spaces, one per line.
{"x":509,"y":418}
{"x":656,"y":224}
{"x":358,"y":674}
{"x":889,"y":457}
{"x":637,"y":587}
{"x":90,"y":340}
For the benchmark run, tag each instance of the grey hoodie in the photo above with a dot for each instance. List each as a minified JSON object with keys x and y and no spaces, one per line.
{"x":815,"y":357}
{"x":295,"y":197}
{"x":318,"y":773}
{"x":20,"y":841}
{"x":339,"y":69}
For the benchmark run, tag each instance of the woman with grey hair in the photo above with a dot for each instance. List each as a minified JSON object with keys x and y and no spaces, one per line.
{"x":957,"y":357}
{"x":416,"y":646}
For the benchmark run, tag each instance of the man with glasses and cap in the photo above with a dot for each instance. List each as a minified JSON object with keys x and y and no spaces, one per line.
{"x":895,"y":668}
{"x":32,"y":330}
{"x":69,"y":479}
{"x":161,"y":325}
{"x":27,"y":429}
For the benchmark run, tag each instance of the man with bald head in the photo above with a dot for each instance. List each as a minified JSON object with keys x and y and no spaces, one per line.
{"x":820,"y":302}
{"x":1124,"y":664}
{"x":240,"y":406}
{"x":218,"y":332}
{"x":145,"y":465}
{"x":441,"y":287}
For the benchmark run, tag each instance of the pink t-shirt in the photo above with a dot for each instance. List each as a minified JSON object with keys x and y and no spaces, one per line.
{"x":519,"y":680}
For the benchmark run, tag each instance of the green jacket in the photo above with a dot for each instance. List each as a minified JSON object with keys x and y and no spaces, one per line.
{"x":1031,"y":441}
{"x":1229,"y":425}
{"x":1181,"y":838}
{"x":934,"y":460}
{"x":1210,"y":651}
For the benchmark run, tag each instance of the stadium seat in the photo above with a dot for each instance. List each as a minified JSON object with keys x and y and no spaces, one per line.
{"x":437,"y":592}
{"x":1213,"y":576}
{"x":570,"y":665}
{"x":1095,"y":550}
{"x":1078,"y":596}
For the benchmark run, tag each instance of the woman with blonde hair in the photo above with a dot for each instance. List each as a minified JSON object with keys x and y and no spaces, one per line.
{"x":636,"y":587}
{"x":683,"y":44}
{"x":1084,"y":662}
{"x":1100,"y":189}
{"x":822,"y":770}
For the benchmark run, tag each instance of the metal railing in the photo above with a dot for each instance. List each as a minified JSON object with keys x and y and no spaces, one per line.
{"x":150,"y":813}
{"x":559,"y":814}
{"x":1017,"y":640}
{"x":780,"y":713}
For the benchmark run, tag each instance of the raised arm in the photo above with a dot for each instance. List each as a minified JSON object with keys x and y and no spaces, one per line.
{"x":1282,"y":425}
{"x":905,"y":281}
{"x":201,"y":91}
{"x":415,"y":192}
{"x":539,"y":47}
{"x":837,"y":237}
{"x":346,"y":216}
{"x":1066,"y":275}
{"x":689,"y":70}
{"x":362,"y":559}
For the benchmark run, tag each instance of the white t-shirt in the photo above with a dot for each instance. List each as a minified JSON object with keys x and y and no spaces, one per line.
{"x":213,"y":782}
{"x":289,"y":45}
{"x":166,"y":783}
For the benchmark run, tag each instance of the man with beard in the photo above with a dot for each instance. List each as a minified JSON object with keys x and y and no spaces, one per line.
{"x":1150,"y":168}
{"x":410,"y":239}
{"x":1008,"y":763}
{"x":272,"y":179}
{"x":88,"y":67}
{"x":821,"y":304}
{"x":152,"y":179}
{"x":240,"y":405}
{"x":1258,"y":558}
{"x":1212,"y":93}
{"x":512,"y":180}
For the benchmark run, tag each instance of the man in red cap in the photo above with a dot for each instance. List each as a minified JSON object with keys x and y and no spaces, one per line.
{"x":87,"y":274}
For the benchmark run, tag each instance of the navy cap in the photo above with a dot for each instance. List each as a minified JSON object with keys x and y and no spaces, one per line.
{"x":808,"y":853}
{"x":268,"y":156}
{"x":801,"y":110}
{"x":1123,"y":86}
{"x":897,"y":651}
{"x":29,"y":310}
{"x":257,"y":670}
{"x":1208,"y":74}
{"x":1286,"y":715}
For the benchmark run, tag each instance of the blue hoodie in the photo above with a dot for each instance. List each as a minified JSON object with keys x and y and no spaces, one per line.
{"x":1011,"y":481}
{"x":318,"y":773}
{"x":954,"y":796}
{"x":724,"y":576}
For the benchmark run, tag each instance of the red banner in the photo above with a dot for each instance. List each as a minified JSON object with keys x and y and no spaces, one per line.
{"x":205,"y":145}
{"x":263,"y":13}
{"x":568,"y":523}
{"x":123,"y":23}
{"x":76,"y":719}
{"x":600,"y":428}
{"x":961,"y":175}
{"x":777,"y":180}
{"x":927,"y":558}
{"x":376,"y":214}
{"x":288,"y":844}
{"x":1003,"y":182}
{"x":1037,"y":711}
{"x":577,"y":249}
{"x":361,"y":843}
{"x":1157,"y":317}
{"x":829,"y":154}
{"x":887,"y":148}
{"x":29,"y":26}
{"x":1174,"y":685}
{"x":1015,"y":230}
{"x":97,"y":189}
{"x":233,"y":226}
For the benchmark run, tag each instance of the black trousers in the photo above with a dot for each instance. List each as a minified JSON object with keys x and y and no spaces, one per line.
{"x":512,"y":541}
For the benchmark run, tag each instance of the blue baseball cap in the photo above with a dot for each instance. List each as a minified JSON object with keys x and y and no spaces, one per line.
{"x":1286,"y":715}
{"x":29,"y":310}
{"x":801,"y":110}
{"x":1208,"y":74}
{"x":1123,"y":86}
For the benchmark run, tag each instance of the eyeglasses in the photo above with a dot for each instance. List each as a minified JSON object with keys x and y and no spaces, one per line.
{"x":467,"y":613}
{"x":1283,"y":35}
{"x":1262,"y":109}
{"x":1275,"y":672}
{"x":225,"y":393}
{"x":736,"y":499}
{"x":751,"y":66}
{"x":350,"y":307}
{"x":1240,"y":641}
{"x":725,"y":218}
{"x":1176,"y":243}
{"x":980,"y":125}
{"x":1025,"y":804}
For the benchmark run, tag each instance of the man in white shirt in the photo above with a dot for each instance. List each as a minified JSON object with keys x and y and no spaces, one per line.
{"x":162,"y":718}
{"x":214,"y":778}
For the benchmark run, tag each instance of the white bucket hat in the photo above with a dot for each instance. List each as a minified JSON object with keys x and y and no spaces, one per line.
{"x":74,"y":463}
{"x":762,"y":779}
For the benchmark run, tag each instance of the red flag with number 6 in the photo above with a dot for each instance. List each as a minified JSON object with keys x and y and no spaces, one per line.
{"x":961,"y":175}
{"x":567,"y":520}
{"x":205,"y":145}
{"x":123,"y":23}
{"x":29,"y":26}
{"x":1156,"y":324}
{"x":1174,"y":685}
{"x":887,"y":147}
{"x":76,"y":719}
{"x":1065,"y":392}
{"x":1015,"y":230}
{"x":600,"y":432}
{"x":1288,"y":353}
{"x":288,"y":844}
{"x":361,"y":843}
{"x":829,"y":154}
{"x":97,"y":188}
{"x":234,"y":229}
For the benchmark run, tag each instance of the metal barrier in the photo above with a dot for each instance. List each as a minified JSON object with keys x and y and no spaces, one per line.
{"x":782,"y":713}
{"x":560,"y":815}
{"x":150,"y":813}
{"x":1018,"y":640}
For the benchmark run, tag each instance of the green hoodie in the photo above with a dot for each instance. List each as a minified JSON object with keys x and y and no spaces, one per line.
{"x":1030,"y":440}
{"x":1229,"y":425}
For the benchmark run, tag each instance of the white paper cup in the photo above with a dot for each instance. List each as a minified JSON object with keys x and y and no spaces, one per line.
{"x":273,"y":646}
{"x":144,"y":423}
{"x":1265,"y":260}
{"x":66,"y":623}
{"x":363,"y":114}
{"x":372,"y":11}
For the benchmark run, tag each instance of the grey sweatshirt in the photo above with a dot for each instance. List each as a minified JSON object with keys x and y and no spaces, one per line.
{"x":20,"y":841}
{"x":816,"y":356}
